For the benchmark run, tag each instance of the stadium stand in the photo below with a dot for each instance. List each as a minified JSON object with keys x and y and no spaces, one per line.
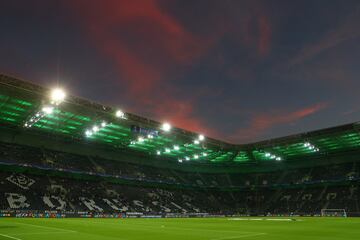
{"x":301,"y":191}
{"x":48,"y":164}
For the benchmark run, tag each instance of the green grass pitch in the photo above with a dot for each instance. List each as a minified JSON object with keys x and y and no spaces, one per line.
{"x":184,"y":229}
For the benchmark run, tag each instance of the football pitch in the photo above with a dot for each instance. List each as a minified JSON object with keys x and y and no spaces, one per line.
{"x":184,"y":229}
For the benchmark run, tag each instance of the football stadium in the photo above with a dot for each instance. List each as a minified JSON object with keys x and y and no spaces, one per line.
{"x":179,"y":120}
{"x":75,"y":169}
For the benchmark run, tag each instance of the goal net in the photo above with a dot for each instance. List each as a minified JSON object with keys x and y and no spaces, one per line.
{"x":333,"y":213}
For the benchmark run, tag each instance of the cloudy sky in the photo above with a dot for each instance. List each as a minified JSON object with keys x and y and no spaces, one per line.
{"x":236,"y":70}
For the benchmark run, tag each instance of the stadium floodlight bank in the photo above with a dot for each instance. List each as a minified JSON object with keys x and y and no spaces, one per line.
{"x":333,"y":213}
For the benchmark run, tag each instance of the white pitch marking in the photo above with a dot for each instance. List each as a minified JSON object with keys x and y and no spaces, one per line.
{"x":261,"y":219}
{"x":34,"y":225}
{"x":39,"y":233}
{"x":279,"y":219}
{"x":241,"y":236}
{"x":245,"y":219}
{"x":10,"y":237}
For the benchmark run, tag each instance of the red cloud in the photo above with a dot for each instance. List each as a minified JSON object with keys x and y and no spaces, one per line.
{"x":255,"y":29}
{"x":263,"y":122}
{"x":147,"y":45}
{"x":144,"y":41}
{"x":180,"y":114}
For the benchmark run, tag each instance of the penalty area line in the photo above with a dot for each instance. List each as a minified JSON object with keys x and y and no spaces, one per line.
{"x":7,"y":236}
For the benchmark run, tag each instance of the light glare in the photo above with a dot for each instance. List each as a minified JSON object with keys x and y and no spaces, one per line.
{"x":166,"y":127}
{"x":201,"y":137}
{"x":88,"y":133}
{"x":48,"y":110}
{"x":120,"y":114}
{"x":57,"y":96}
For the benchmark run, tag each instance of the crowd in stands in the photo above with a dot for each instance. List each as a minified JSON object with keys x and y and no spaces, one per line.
{"x":20,"y":191}
{"x":299,"y":191}
{"x":44,"y":158}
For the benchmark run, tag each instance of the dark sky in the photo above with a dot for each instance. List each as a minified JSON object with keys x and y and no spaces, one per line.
{"x":240,"y":71}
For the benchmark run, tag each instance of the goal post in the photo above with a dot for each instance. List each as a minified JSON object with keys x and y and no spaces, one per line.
{"x":333,"y":213}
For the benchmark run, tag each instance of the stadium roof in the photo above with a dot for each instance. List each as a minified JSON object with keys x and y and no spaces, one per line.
{"x":29,"y":108}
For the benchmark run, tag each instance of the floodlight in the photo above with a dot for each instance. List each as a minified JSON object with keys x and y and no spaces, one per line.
{"x":196,"y":142}
{"x":166,"y":127}
{"x":167,"y":150}
{"x":196,"y":156}
{"x":103,"y":124}
{"x":201,"y":137}
{"x":187,"y":158}
{"x":158,"y":152}
{"x":176,"y":147}
{"x":95,"y":128}
{"x":204,"y":154}
{"x":88,"y":133}
{"x":120,"y":114}
{"x":48,"y":109}
{"x":57,"y":96}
